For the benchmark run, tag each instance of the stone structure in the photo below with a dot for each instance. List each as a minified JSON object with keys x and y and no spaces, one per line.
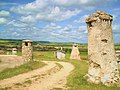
{"x":117,"y":53}
{"x":14,"y":51}
{"x":61,"y":55}
{"x":27,"y":50}
{"x":55,"y":54}
{"x":103,"y":65}
{"x":75,"y":53}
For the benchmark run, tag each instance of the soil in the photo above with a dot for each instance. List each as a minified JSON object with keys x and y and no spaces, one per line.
{"x":48,"y":77}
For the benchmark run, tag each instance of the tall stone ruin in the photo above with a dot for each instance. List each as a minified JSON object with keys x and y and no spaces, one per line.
{"x":103,"y":65}
{"x":27,"y":50}
{"x":75,"y":52}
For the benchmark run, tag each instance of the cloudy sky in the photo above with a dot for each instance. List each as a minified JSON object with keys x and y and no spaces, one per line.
{"x":53,"y":20}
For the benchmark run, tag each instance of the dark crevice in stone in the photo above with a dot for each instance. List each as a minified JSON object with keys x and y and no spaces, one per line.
{"x":104,"y":53}
{"x":90,"y":24}
{"x":104,"y":40}
{"x":26,"y":44}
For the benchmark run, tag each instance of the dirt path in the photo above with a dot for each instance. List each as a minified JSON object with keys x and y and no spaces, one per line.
{"x":48,"y":77}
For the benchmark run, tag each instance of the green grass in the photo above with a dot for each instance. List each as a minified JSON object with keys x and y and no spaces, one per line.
{"x":6,"y":88}
{"x":57,"y":89}
{"x":48,"y":55}
{"x":10,"y":72}
{"x":18,"y":84}
{"x":76,"y":80}
{"x":28,"y":82}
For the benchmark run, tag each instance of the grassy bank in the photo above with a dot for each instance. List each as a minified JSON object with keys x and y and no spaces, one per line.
{"x":76,"y":80}
{"x":10,"y":72}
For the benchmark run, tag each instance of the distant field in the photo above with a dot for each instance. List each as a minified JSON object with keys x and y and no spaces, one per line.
{"x":7,"y":45}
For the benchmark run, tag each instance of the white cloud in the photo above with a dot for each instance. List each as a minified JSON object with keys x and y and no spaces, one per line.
{"x":82,"y":27}
{"x":4,"y":13}
{"x":3,"y":21}
{"x":83,"y":4}
{"x":29,"y":8}
{"x":28,"y":18}
{"x":77,"y":3}
{"x":44,"y":10}
{"x":54,"y":10}
{"x":55,"y":14}
{"x":81,"y":20}
{"x":17,"y":24}
{"x":114,"y":16}
{"x":116,"y":28}
{"x":52,"y":26}
{"x":71,"y":2}
{"x":15,"y":34}
{"x":60,"y":15}
{"x":42,"y":4}
{"x":53,"y":33}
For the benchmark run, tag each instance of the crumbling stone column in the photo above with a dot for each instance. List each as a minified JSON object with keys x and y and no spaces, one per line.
{"x":27,"y":50}
{"x":103,"y":65}
{"x":75,"y":52}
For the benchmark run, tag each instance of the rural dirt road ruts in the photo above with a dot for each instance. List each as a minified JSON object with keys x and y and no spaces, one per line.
{"x":53,"y":75}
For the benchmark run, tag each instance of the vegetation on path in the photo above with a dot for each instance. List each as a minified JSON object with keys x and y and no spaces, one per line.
{"x":10,"y":72}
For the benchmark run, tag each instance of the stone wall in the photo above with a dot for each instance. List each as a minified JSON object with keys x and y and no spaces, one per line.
{"x":27,"y":50}
{"x":60,"y":55}
{"x":103,"y":65}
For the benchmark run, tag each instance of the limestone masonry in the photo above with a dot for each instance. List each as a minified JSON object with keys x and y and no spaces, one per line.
{"x":75,"y":53}
{"x":27,"y":50}
{"x":103,"y":65}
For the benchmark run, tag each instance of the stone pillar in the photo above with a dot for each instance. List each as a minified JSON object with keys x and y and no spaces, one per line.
{"x":103,"y":65}
{"x":27,"y":50}
{"x":75,"y":53}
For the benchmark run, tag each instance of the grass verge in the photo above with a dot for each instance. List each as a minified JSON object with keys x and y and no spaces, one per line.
{"x":10,"y":72}
{"x":76,"y":80}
